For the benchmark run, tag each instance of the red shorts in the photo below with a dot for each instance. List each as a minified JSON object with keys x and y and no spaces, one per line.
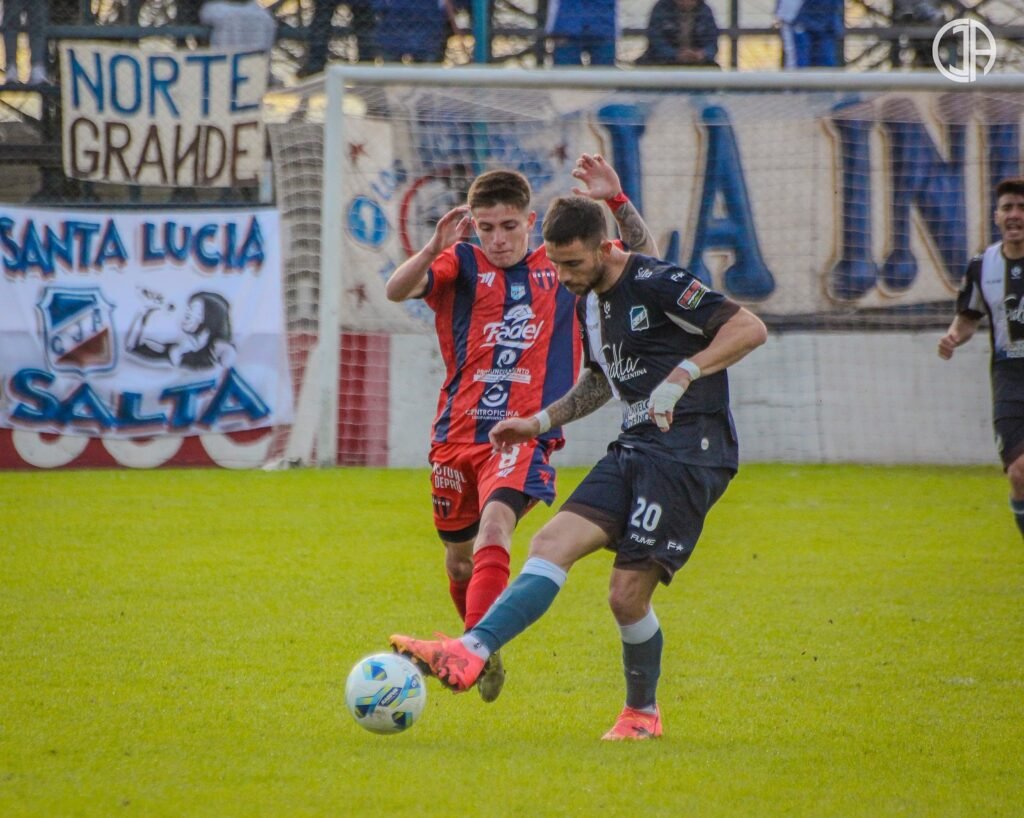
{"x":464,"y":475}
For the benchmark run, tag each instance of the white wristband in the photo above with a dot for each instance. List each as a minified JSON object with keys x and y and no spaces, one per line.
{"x":543,"y":420}
{"x":690,"y":368}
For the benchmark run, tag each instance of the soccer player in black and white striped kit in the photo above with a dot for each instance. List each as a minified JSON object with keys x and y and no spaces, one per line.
{"x":994,"y":286}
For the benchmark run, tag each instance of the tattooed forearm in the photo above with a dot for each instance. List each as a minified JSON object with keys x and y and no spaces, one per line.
{"x":634,"y":231}
{"x":589,"y":393}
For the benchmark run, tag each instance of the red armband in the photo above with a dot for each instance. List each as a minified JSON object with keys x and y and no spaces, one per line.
{"x":617,"y":201}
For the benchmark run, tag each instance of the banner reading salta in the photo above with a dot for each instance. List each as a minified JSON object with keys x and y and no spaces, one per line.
{"x":116,"y":324}
{"x":173,"y":118}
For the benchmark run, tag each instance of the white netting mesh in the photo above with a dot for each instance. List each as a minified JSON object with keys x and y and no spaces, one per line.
{"x":836,"y":215}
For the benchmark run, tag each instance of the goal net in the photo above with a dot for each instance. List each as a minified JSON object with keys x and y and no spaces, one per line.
{"x":841,"y":208}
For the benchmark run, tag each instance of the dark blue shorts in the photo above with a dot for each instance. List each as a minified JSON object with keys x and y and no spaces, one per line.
{"x":1009,"y":431}
{"x":651,"y":508}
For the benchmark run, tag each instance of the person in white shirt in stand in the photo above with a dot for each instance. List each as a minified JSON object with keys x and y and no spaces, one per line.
{"x":236,"y":24}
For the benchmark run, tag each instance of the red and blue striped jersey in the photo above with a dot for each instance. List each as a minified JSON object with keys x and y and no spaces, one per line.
{"x":509,"y":337}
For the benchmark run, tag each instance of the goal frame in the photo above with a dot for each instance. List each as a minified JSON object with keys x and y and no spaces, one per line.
{"x":325,"y":359}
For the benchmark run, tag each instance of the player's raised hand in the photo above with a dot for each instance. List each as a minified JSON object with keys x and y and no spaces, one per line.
{"x":600,"y":179}
{"x":509,"y":432}
{"x":453,"y":226}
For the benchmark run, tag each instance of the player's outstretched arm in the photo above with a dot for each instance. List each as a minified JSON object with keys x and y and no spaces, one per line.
{"x":960,"y":332}
{"x":409,"y":280}
{"x":602,"y":183}
{"x":588,"y":394}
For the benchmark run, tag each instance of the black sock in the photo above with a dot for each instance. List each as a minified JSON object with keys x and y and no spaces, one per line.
{"x":1018,"y":513}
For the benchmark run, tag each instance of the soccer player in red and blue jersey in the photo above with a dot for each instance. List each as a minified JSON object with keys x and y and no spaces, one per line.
{"x":510,"y":339}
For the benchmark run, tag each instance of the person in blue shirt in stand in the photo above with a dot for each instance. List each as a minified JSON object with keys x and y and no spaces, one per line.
{"x":681,"y":32}
{"x":581,"y":27}
{"x":812,"y":32}
{"x":413,"y":30}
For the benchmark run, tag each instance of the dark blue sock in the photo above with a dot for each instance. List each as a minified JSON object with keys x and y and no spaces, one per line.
{"x":1018,"y":513}
{"x":521,"y":604}
{"x":642,"y":664}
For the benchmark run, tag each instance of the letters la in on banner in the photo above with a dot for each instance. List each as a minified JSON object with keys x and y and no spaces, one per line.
{"x":139,"y":324}
{"x":172,"y":118}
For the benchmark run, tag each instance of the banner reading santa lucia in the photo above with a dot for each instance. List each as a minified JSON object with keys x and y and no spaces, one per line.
{"x":128,"y":324}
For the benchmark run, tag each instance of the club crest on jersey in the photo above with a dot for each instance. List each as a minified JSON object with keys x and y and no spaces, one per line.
{"x":546,"y":279}
{"x":442,"y":506}
{"x":1015,"y":272}
{"x":517,"y":291}
{"x":638,"y":319}
{"x":78,"y":329}
{"x":606,"y":308}
{"x":691,"y":296}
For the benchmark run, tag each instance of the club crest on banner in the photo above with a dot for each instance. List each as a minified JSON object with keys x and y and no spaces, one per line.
{"x":78,"y":330}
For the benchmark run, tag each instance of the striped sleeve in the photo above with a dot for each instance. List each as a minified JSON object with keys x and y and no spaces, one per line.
{"x":970,"y":300}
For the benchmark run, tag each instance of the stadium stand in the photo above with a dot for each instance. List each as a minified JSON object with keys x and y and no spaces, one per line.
{"x":877,"y":36}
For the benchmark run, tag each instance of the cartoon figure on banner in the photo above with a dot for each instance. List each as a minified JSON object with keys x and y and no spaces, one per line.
{"x":198,"y":337}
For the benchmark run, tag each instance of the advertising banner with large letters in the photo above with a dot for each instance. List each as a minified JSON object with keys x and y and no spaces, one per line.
{"x":820,"y":208}
{"x":171,"y":118}
{"x":129,"y":324}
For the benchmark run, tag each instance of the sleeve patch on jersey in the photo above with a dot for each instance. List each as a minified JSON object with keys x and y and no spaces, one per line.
{"x":691,"y":296}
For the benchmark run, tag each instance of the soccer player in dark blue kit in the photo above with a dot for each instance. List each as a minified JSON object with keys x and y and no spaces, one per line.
{"x":659,"y":340}
{"x":994,"y":286}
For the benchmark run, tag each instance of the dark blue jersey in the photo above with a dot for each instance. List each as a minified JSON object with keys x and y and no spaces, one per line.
{"x":637,"y":332}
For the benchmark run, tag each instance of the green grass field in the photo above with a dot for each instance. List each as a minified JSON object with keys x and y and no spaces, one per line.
{"x":845,"y":641}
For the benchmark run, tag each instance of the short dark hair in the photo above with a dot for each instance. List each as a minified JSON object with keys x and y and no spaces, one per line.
{"x":497,"y":187}
{"x":1014,"y":185}
{"x":574,"y":217}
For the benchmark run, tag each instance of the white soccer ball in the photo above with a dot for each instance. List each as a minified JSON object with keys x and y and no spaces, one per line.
{"x":385,"y":693}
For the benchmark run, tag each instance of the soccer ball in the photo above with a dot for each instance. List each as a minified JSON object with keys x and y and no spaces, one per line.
{"x":385,"y":693}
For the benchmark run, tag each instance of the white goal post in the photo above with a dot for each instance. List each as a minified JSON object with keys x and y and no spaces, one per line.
{"x":841,"y":207}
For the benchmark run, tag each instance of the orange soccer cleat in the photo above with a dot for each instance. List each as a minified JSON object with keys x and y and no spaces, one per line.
{"x":635,"y":725}
{"x":449,"y":660}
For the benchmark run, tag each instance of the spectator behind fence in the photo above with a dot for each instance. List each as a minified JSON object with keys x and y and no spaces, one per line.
{"x":34,"y":13}
{"x":681,"y":32}
{"x":920,"y":13}
{"x":811,"y":31}
{"x":319,"y":42}
{"x":238,"y":24}
{"x":415,"y":30}
{"x":582,"y":27}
